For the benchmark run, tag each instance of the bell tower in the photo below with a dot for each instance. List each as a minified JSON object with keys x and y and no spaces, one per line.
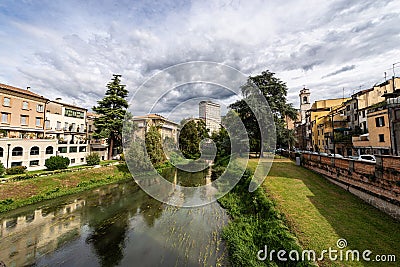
{"x":304,"y":103}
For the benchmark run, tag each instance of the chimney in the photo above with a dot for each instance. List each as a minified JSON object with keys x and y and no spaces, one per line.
{"x":28,"y":88}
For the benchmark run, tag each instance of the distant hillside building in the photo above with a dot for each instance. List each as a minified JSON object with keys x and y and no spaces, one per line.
{"x":211,"y":113}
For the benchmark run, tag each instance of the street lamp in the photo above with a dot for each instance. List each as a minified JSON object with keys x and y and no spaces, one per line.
{"x":8,"y":154}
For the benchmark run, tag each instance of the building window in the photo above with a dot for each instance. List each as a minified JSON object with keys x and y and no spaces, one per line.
{"x":66,"y":126}
{"x":35,"y":150}
{"x":4,"y":117}
{"x":49,"y":150}
{"x":380,"y":121}
{"x":82,"y":128}
{"x":17,"y":151}
{"x":355,"y":106}
{"x":58,"y":125}
{"x":47,"y":124}
{"x":39,"y":108}
{"x":1,"y":152}
{"x":24,"y":120}
{"x":72,"y":161}
{"x":34,"y":163}
{"x":363,"y":113}
{"x":305,"y":101}
{"x":62,"y":149}
{"x":381,"y":138}
{"x":6,"y":102}
{"x":38,"y":122}
{"x":90,"y":128}
{"x":82,"y":159}
{"x":73,"y":149}
{"x":25,"y":105}
{"x":16,"y":164}
{"x":82,"y":149}
{"x":348,"y":108}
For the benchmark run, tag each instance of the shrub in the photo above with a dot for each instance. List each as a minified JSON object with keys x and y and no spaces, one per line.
{"x":16,"y":170}
{"x":93,"y":159}
{"x":2,"y":170}
{"x":56,"y":163}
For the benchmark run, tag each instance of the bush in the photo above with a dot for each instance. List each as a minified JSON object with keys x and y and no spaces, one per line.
{"x":56,"y":163}
{"x":2,"y":170}
{"x":16,"y":170}
{"x":93,"y":159}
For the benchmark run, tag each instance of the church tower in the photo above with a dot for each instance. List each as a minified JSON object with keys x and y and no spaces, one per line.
{"x":304,"y":103}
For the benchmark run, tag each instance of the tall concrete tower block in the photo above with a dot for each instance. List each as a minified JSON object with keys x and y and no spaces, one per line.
{"x":304,"y":103}
{"x":211,"y":113}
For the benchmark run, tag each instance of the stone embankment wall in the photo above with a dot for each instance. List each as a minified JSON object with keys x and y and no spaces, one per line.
{"x":376,"y":183}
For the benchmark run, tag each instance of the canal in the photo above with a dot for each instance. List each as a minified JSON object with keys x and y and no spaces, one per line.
{"x":115,"y":225}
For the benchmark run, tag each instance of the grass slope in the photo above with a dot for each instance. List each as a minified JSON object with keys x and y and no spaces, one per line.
{"x":320,"y":213}
{"x":16,"y":194}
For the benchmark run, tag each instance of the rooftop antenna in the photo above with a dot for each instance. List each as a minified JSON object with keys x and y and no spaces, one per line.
{"x":343,"y":92}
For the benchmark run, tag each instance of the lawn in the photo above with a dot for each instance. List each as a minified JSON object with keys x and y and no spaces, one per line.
{"x":319,"y":213}
{"x":15,"y":194}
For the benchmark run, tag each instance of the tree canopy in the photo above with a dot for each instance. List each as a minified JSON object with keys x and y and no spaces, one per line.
{"x":275,"y":92}
{"x":190,"y":137}
{"x":112,"y":110}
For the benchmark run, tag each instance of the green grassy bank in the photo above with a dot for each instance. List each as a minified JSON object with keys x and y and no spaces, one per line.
{"x":15,"y":194}
{"x":319,"y":213}
{"x":255,"y":223}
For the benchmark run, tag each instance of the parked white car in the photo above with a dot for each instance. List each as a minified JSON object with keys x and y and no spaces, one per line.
{"x":369,"y":158}
{"x":336,"y":156}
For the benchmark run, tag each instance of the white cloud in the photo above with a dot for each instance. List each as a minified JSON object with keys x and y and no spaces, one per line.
{"x":70,"y":49}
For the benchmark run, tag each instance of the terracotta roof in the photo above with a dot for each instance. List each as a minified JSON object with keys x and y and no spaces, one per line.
{"x":21,"y":91}
{"x":154,"y":116}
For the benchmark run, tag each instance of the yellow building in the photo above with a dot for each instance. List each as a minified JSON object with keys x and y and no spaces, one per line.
{"x":378,"y":139}
{"x":314,"y":117}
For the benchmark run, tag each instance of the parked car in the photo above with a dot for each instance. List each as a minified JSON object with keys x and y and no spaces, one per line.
{"x":336,"y":156}
{"x":323,"y":154}
{"x":368,"y":158}
{"x":353,"y":157}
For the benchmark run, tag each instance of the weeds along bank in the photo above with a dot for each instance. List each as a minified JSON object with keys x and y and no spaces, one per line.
{"x":255,"y":223}
{"x":35,"y":189}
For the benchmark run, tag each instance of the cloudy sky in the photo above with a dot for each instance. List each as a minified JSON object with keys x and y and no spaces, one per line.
{"x":70,"y":49}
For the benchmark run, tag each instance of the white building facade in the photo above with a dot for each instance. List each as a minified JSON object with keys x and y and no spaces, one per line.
{"x":211,"y":113}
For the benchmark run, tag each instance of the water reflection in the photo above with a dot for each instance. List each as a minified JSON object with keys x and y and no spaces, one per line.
{"x":114,"y":225}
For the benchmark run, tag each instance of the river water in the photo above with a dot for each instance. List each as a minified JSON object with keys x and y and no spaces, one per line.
{"x":114,"y":225}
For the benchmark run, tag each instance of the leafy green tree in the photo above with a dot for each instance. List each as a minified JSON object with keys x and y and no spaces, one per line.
{"x":190,"y":137}
{"x":136,"y":157}
{"x":154,"y":146}
{"x":222,"y":142}
{"x":112,"y":109}
{"x":275,"y":92}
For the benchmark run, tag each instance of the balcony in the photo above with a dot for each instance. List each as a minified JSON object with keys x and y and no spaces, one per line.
{"x":361,"y":141}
